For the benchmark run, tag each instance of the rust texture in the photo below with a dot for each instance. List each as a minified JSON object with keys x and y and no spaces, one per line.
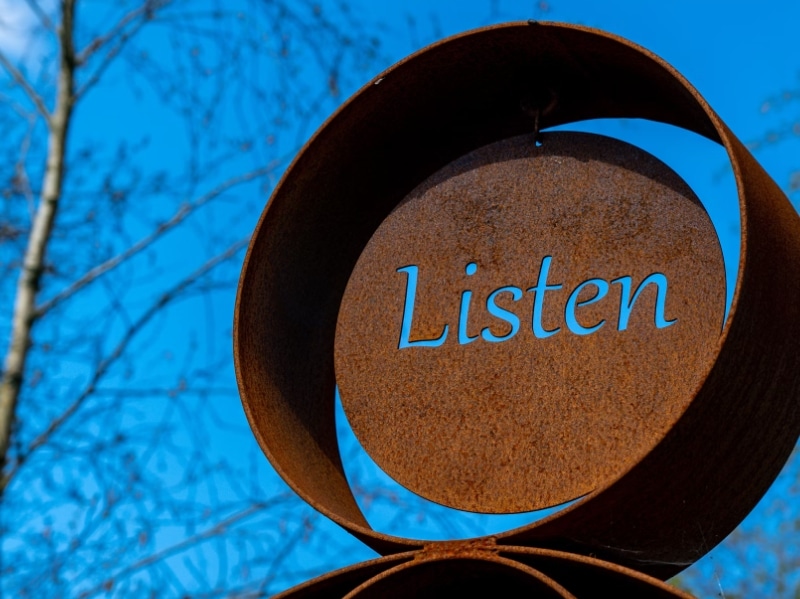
{"x":552,"y":401}
{"x":669,"y":497}
{"x":453,"y":569}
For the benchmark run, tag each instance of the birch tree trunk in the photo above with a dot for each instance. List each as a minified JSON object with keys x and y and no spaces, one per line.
{"x":24,"y":316}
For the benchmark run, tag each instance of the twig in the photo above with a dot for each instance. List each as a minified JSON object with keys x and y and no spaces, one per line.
{"x":182,"y":213}
{"x":214,"y":531}
{"x":144,"y":13}
{"x":37,"y":10}
{"x":26,"y":87}
{"x":108,"y":361}
{"x":281,"y":556}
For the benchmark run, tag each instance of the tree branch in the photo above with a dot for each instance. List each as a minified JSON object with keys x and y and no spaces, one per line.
{"x":182,"y":213}
{"x":145,"y":11}
{"x":117,"y":352}
{"x":26,"y":87}
{"x":216,"y":530}
{"x":37,"y":10}
{"x":122,"y":34}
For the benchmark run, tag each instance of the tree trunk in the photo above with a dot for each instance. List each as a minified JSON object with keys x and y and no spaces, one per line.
{"x":39,"y":237}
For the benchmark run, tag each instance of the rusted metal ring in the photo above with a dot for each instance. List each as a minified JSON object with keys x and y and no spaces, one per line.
{"x":471,"y":571}
{"x":437,"y":105}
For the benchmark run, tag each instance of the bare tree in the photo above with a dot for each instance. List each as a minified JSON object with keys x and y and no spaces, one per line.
{"x":140,"y":141}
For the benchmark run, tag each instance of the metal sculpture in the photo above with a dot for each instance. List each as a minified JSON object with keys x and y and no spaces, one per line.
{"x":518,"y":318}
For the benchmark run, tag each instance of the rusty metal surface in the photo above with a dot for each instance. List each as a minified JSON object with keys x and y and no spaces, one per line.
{"x":724,"y":452}
{"x":739,"y":425}
{"x":484,"y":576}
{"x":584,"y":576}
{"x":482,"y":568}
{"x":548,"y":400}
{"x":338,"y":583}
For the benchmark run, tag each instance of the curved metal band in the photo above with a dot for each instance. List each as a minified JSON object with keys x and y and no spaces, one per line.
{"x":455,"y":96}
{"x":478,"y":576}
{"x":543,"y":572}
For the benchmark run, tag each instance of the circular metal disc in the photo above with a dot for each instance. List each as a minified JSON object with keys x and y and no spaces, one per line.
{"x":529,"y":322}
